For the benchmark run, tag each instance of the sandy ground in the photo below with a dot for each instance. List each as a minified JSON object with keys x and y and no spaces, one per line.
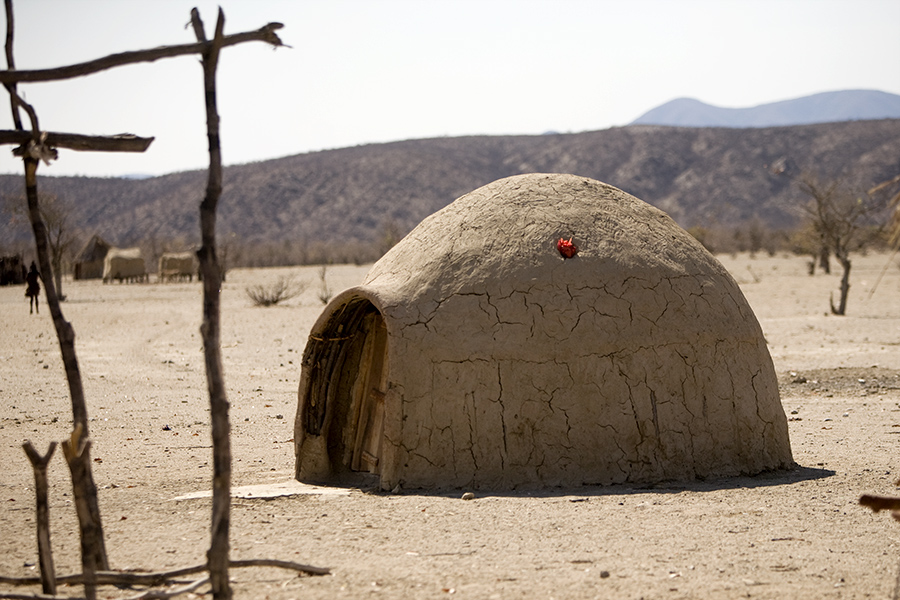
{"x":796,"y":534}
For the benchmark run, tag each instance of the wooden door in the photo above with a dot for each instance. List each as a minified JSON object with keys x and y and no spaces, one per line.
{"x":370,"y":421}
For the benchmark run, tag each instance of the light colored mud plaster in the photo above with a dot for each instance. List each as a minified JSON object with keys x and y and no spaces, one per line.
{"x":637,"y":360}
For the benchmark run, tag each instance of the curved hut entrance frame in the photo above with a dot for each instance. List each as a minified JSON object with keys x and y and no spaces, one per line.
{"x":344,"y":396}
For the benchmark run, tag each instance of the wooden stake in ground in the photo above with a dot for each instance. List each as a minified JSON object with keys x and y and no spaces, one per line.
{"x":45,"y":554}
{"x":77,"y":451}
{"x":219,"y":546}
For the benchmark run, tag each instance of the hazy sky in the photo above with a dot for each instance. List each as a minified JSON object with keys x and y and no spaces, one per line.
{"x":363,"y":71}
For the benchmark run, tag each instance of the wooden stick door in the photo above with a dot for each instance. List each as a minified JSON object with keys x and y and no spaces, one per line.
{"x":370,"y":424}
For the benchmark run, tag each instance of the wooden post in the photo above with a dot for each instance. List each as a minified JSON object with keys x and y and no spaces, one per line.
{"x":218,"y":555}
{"x":77,"y":451}
{"x":45,"y":554}
{"x":66,"y":336}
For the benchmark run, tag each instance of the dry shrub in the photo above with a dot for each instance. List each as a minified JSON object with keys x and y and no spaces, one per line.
{"x":283,"y":289}
{"x":325,"y":292}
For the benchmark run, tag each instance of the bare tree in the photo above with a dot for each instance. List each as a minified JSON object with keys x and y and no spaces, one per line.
{"x":60,"y":235}
{"x":56,"y":215}
{"x":845,"y":220}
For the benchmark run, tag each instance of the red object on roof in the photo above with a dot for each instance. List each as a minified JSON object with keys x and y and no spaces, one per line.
{"x":566,"y":248}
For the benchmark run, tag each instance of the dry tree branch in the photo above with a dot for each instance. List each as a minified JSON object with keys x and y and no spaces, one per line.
{"x":20,"y":103}
{"x":15,"y":596}
{"x":145,"y":595}
{"x":884,"y":184}
{"x":163,"y":594}
{"x":281,"y":564}
{"x":264,"y":34}
{"x":124,"y":142}
{"x":11,"y":64}
{"x":153,"y":579}
{"x":162,"y":577}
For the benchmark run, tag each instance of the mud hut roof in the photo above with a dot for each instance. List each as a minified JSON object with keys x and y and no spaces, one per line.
{"x":95,"y":249}
{"x":542,"y":330}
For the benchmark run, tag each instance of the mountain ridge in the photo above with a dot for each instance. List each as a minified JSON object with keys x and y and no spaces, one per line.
{"x":825,"y":107}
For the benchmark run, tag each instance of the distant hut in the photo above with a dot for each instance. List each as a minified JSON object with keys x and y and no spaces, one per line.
{"x":89,"y":262}
{"x":125,"y":265}
{"x":12,"y":270}
{"x":543,"y":330}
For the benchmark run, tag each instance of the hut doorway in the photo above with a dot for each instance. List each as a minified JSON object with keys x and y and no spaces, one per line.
{"x":346,"y":389}
{"x":369,"y":397}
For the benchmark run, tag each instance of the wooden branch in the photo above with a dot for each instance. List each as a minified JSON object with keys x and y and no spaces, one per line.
{"x":124,"y":142}
{"x":20,"y":102}
{"x":264,"y":34}
{"x":11,"y":65}
{"x":883,"y":185}
{"x":45,"y":554}
{"x":163,"y":594}
{"x":14,"y":596}
{"x":162,"y":577}
{"x":281,"y":564}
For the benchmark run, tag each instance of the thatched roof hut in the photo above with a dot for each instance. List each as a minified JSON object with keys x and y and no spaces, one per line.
{"x":543,"y":330}
{"x":88,"y":264}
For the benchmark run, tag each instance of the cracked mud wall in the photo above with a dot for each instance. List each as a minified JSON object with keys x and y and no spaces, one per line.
{"x":637,"y":360}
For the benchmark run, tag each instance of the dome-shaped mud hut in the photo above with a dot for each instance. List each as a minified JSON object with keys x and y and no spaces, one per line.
{"x":543,"y":330}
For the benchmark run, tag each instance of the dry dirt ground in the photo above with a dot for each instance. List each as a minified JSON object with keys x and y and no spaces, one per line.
{"x":795,"y":534}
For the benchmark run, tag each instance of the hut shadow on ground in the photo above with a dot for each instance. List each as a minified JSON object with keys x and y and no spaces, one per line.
{"x":369,"y":486}
{"x":773,"y":478}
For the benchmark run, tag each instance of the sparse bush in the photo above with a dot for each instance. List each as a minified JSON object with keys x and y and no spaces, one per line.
{"x":270,"y":295}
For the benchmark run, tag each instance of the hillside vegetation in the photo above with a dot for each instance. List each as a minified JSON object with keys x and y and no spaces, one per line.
{"x":705,"y":177}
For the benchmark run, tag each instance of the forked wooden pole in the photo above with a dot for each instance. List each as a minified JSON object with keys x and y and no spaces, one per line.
{"x":45,"y":554}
